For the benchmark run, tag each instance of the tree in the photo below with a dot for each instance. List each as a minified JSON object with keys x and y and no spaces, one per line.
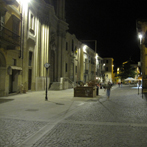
{"x":127,"y":71}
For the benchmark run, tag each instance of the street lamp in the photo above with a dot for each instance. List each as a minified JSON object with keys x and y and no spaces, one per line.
{"x":140,"y":37}
{"x":46,"y":65}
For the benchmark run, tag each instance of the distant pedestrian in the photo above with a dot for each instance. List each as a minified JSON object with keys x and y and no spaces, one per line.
{"x":121,"y":84}
{"x":108,"y":87}
{"x":139,"y":83}
{"x":118,"y":84}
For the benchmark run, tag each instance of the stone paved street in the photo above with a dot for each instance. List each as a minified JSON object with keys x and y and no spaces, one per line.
{"x":64,"y":121}
{"x":118,"y":122}
{"x":13,"y":131}
{"x":26,"y":117}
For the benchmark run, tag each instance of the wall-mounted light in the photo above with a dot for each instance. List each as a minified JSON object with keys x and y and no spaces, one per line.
{"x":24,"y":3}
{"x":140,"y":37}
{"x":84,"y":48}
{"x":96,"y":56}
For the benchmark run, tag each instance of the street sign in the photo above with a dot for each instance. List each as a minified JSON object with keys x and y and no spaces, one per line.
{"x":46,"y":65}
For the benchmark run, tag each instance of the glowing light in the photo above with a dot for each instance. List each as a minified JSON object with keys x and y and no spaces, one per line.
{"x":103,"y":64}
{"x":140,"y":36}
{"x":84,"y":48}
{"x":96,"y":56}
{"x":24,"y":3}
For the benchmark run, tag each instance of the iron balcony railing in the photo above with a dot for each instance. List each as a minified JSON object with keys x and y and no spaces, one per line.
{"x":9,"y":38}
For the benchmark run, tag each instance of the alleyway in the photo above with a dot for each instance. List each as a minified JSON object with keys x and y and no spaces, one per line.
{"x":118,"y":122}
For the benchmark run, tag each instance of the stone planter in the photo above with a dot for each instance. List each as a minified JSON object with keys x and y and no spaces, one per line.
{"x":84,"y":92}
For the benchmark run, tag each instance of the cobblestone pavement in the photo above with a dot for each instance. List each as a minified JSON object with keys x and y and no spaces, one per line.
{"x":13,"y":132}
{"x":118,"y":122}
{"x":26,"y":117}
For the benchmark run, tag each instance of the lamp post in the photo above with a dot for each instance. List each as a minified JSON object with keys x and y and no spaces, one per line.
{"x":46,"y":65}
{"x":140,"y":36}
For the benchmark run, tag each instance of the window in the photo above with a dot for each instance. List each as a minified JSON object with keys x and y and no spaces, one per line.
{"x":72,"y":46}
{"x":76,"y":69}
{"x":14,"y":62}
{"x":30,"y":58}
{"x":66,"y":46}
{"x":15,"y":29}
{"x":66,"y":67}
{"x":106,"y":61}
{"x":31,"y":23}
{"x":1,"y":22}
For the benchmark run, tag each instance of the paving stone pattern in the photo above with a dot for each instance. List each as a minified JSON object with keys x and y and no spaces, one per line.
{"x":118,"y":122}
{"x":13,"y":132}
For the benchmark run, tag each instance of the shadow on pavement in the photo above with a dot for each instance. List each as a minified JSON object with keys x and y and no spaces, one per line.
{"x":5,"y":100}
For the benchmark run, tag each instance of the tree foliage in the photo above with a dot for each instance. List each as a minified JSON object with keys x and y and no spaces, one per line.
{"x":127,"y":71}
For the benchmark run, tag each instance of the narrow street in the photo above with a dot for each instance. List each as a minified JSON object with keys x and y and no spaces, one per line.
{"x":95,"y":122}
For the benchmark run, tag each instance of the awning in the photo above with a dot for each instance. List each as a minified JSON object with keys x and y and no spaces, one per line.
{"x":15,"y":67}
{"x":10,"y":68}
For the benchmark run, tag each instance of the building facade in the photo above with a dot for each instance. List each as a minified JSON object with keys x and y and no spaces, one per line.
{"x":109,"y":69}
{"x":10,"y":44}
{"x":35,"y":33}
{"x":141,"y":26}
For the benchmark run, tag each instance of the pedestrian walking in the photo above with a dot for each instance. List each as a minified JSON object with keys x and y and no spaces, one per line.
{"x":119,"y":84}
{"x":108,"y":87}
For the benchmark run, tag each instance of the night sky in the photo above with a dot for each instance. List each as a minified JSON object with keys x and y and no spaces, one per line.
{"x":111,"y":22}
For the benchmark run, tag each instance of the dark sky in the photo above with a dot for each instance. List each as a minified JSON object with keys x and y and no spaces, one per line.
{"x":111,"y":22}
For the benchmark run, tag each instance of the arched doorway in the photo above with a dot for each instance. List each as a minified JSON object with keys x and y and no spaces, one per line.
{"x":2,"y":74}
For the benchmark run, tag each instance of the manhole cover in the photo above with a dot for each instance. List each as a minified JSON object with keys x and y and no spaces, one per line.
{"x":32,"y":110}
{"x":59,"y":104}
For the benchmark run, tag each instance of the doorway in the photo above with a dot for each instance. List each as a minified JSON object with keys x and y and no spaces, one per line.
{"x":29,"y":79}
{"x":2,"y":74}
{"x":13,"y":81}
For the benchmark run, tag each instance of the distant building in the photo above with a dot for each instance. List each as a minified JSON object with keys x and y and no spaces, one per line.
{"x":109,"y":69}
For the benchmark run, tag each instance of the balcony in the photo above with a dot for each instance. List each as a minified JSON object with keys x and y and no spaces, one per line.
{"x":9,"y":39}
